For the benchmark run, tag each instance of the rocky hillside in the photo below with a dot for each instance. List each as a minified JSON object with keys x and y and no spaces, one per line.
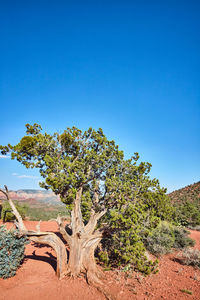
{"x":186,"y":202}
{"x":188,"y":193}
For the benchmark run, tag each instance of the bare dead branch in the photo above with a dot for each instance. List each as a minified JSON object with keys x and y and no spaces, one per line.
{"x":60,"y":221}
{"x":21,"y":225}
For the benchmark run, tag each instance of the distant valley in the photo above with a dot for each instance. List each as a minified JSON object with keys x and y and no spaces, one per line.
{"x":35,"y":197}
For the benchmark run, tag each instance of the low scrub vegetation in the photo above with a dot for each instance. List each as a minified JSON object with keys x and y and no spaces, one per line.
{"x":197,"y":227}
{"x":186,"y":291}
{"x":45,"y":213}
{"x":165,"y":237}
{"x":187,"y":205}
{"x":12,"y":247}
{"x":33,"y":213}
{"x":7,"y":214}
{"x":188,"y":213}
{"x":190,"y":257}
{"x":181,"y":238}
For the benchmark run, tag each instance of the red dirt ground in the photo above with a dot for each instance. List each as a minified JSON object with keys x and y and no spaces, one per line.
{"x":36,"y":279}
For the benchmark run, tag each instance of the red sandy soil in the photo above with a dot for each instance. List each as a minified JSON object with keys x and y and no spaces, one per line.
{"x":36,"y":279}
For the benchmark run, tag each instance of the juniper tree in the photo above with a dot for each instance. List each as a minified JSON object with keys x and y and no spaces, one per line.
{"x":96,"y":182}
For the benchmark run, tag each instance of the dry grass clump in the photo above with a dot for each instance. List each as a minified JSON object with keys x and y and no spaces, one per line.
{"x":197,"y":227}
{"x":190,"y":257}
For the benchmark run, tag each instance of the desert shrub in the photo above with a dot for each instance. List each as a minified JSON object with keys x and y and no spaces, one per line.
{"x":7,"y":214}
{"x":197,"y":227}
{"x":190,"y":257}
{"x":11,"y":251}
{"x":167,"y":236}
{"x":161,"y":239}
{"x":182,"y":239}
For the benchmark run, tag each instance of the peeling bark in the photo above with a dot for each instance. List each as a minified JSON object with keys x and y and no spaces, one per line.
{"x":76,"y":215}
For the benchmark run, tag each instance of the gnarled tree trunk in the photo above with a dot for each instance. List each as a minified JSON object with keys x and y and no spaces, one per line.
{"x":82,"y":243}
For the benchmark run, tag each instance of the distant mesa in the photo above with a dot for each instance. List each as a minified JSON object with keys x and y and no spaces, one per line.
{"x":32,"y":196}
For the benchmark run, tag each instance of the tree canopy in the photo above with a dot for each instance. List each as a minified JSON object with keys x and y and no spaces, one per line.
{"x":116,"y":192}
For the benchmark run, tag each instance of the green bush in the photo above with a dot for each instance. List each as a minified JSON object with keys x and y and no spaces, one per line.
{"x":128,"y":226}
{"x":7,"y":215}
{"x":122,"y":243}
{"x":11,"y":251}
{"x":188,"y":213}
{"x":161,"y":239}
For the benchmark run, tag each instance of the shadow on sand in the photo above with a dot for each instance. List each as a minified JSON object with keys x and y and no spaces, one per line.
{"x":50,"y":259}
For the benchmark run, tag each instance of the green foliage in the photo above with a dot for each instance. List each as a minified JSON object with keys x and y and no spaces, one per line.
{"x":187,"y":205}
{"x":45,"y":213}
{"x":186,"y":291}
{"x":165,"y":237}
{"x":130,"y":223}
{"x":135,"y":203}
{"x":11,"y":252}
{"x":7,"y":215}
{"x":188,"y":213}
{"x":103,"y":257}
{"x":122,"y":240}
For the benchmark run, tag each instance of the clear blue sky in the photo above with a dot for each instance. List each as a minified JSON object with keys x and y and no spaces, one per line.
{"x":129,"y":67}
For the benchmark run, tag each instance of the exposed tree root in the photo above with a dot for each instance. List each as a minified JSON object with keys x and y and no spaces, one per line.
{"x":100,"y":286}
